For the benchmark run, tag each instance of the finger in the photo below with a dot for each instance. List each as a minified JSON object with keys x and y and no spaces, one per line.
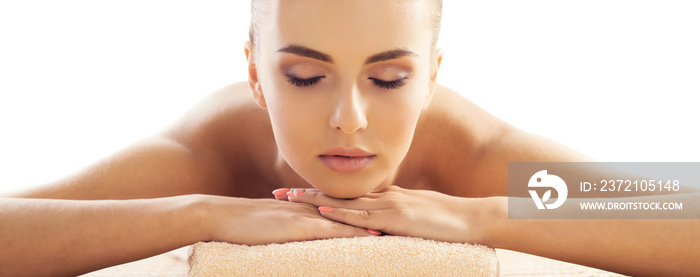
{"x":294,"y":193}
{"x":340,"y":230}
{"x":317,"y":198}
{"x":369,"y":219}
{"x":281,"y":193}
{"x":374,"y":232}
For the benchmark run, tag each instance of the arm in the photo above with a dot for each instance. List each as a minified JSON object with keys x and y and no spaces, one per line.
{"x":42,"y":237}
{"x":45,"y":237}
{"x":651,"y":247}
{"x":68,"y":237}
{"x":638,"y":247}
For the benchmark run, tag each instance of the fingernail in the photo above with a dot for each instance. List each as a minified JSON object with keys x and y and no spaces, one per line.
{"x":295,"y":192}
{"x":280,"y":192}
{"x":374,"y":232}
{"x":325,"y":209}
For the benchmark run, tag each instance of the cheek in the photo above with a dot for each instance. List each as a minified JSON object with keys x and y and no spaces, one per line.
{"x":395,"y":130}
{"x":395,"y":124}
{"x":294,"y":126}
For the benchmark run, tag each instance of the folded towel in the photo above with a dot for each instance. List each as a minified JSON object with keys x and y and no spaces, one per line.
{"x":358,"y":256}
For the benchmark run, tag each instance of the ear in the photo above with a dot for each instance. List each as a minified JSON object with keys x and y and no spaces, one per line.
{"x":434,"y":67}
{"x":253,"y":83}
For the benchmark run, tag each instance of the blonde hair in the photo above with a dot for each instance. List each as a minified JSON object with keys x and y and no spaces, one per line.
{"x":255,"y":11}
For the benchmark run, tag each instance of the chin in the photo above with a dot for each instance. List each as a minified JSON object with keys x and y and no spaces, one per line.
{"x":343,"y":194}
{"x":343,"y":185}
{"x":345,"y":189}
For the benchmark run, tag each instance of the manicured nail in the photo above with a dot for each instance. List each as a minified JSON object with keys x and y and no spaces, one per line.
{"x":325,"y":209}
{"x":295,"y":192}
{"x":280,"y":192}
{"x":374,"y":232}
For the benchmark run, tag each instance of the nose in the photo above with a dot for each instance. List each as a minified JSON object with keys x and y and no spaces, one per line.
{"x":349,"y":112}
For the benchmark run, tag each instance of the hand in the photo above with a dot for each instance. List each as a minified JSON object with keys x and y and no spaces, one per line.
{"x":263,"y":221}
{"x":397,"y":211}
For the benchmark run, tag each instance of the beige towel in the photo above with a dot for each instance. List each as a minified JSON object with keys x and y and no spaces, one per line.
{"x":359,"y":256}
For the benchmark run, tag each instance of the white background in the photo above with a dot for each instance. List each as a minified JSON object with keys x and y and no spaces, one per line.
{"x":79,"y":80}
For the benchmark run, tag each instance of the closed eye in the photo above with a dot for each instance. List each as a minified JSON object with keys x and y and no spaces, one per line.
{"x":389,"y":84}
{"x":299,"y":82}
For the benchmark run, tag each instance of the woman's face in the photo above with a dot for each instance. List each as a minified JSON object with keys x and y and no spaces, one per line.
{"x":344,"y":83}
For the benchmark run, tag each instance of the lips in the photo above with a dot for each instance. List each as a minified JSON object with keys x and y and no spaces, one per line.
{"x":355,"y":152}
{"x":347,"y":160}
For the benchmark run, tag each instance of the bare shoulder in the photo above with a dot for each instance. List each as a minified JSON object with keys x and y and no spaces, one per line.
{"x":451,"y":114}
{"x":471,"y":148}
{"x":229,"y":127}
{"x":451,"y":138}
{"x":202,"y":152}
{"x":222,"y":118}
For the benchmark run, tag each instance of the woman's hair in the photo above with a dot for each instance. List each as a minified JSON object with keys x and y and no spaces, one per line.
{"x":255,"y":10}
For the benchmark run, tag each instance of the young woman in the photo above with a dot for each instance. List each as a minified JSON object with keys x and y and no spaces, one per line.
{"x":342,"y":118}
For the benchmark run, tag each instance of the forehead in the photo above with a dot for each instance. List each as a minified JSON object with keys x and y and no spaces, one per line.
{"x":342,"y":27}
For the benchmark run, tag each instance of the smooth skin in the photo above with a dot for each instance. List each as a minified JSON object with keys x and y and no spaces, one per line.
{"x":440,"y":172}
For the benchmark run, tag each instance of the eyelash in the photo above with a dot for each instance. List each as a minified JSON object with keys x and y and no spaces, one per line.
{"x":389,"y":84}
{"x":298,"y":82}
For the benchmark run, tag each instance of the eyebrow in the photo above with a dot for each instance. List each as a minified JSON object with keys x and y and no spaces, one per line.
{"x":311,"y":53}
{"x":390,"y":55}
{"x":306,"y":52}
